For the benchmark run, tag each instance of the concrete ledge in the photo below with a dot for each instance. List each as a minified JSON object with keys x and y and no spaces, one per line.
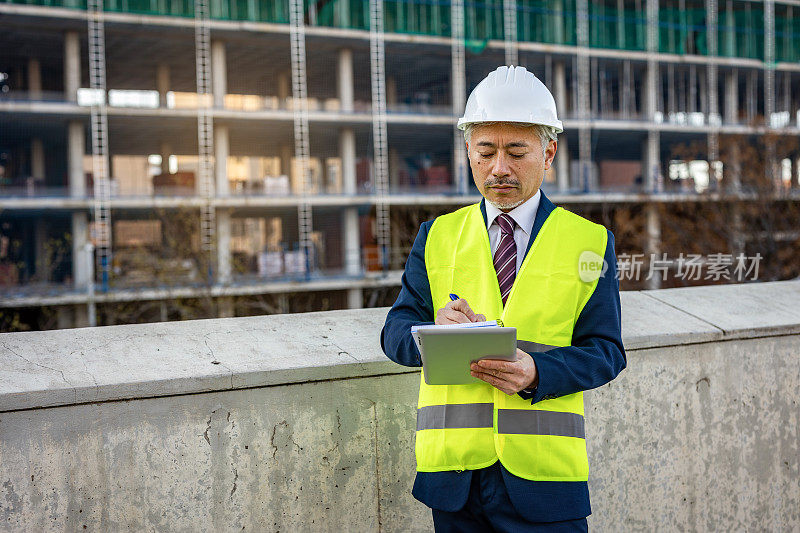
{"x":63,"y":367}
{"x":740,"y":311}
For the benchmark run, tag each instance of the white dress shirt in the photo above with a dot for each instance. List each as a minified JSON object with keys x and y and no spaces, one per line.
{"x":524,"y":215}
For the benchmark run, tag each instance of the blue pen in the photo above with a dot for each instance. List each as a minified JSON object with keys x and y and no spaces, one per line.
{"x":454,"y":297}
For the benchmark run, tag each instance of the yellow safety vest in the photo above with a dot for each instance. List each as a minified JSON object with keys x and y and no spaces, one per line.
{"x":466,"y":427}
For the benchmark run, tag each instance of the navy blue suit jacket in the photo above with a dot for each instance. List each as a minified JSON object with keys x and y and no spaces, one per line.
{"x":595,"y":357}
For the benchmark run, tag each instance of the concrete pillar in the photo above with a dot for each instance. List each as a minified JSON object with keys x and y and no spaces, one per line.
{"x":560,"y":88}
{"x":737,"y":243}
{"x":219,"y":73}
{"x":391,"y":91}
{"x":40,"y":249}
{"x":221,"y":150}
{"x":65,"y":316}
{"x":691,"y":92}
{"x":651,"y":162}
{"x":286,"y":160}
{"x":162,"y":83}
{"x":81,"y":316}
{"x":732,"y":97}
{"x":165,"y":149}
{"x":347,"y":153}
{"x":702,"y":86}
{"x":223,"y":246}
{"x":81,"y":263}
{"x":733,"y":174}
{"x":651,"y":85}
{"x":283,"y":87}
{"x":282,"y":301}
{"x":562,"y":163}
{"x":342,"y":15}
{"x":345,"y":79}
{"x":355,"y":299}
{"x":653,"y":243}
{"x":394,"y":170}
{"x":225,"y":307}
{"x":34,"y":79}
{"x":352,"y":242}
{"x":72,"y":65}
{"x":352,"y":233}
{"x":37,"y":159}
{"x":562,"y":154}
{"x":558,"y":21}
{"x":796,"y":173}
{"x":72,"y":316}
{"x":76,"y":149}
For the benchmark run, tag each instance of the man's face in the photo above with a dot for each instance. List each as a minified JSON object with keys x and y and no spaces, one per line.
{"x":507,"y":163}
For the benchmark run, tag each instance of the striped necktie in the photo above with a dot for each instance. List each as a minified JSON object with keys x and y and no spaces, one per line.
{"x":505,"y":258}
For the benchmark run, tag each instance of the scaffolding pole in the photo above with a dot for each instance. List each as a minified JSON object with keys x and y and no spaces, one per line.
{"x":653,"y":177}
{"x":510,"y":32}
{"x":714,"y":120}
{"x":205,"y":134}
{"x":769,"y":89}
{"x":100,"y":160}
{"x":297,"y":35}
{"x":459,"y":84}
{"x":652,"y":154}
{"x":584,"y":96}
{"x":377,"y":54}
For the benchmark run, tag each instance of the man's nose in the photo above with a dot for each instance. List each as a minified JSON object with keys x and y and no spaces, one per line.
{"x":500,"y":168}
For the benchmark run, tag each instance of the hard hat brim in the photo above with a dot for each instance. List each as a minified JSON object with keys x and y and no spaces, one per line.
{"x":556,"y":125}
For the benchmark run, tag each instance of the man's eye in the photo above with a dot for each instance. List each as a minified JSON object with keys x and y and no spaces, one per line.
{"x":487,"y":155}
{"x":517,"y":156}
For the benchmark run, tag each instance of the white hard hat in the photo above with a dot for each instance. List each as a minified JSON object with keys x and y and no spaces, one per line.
{"x":511,"y":94}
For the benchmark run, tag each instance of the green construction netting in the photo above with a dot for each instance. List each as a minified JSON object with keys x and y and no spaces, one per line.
{"x":680,"y":31}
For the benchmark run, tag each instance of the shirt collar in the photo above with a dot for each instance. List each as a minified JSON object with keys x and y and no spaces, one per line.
{"x":524,"y":214}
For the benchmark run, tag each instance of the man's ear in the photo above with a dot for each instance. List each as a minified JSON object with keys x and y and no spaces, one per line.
{"x":550,"y":154}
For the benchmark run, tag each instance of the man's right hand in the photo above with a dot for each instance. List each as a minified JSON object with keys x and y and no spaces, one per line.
{"x":457,"y":312}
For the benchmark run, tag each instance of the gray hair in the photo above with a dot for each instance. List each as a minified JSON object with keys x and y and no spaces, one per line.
{"x":545,"y":133}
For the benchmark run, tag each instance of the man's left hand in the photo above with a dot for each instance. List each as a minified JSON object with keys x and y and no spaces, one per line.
{"x":507,"y":376}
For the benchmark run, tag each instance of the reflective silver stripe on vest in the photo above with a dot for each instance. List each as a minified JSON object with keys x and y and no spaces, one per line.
{"x":528,"y":346}
{"x":534,"y":422}
{"x":458,"y":415}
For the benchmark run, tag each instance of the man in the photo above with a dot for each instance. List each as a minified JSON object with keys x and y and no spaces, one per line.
{"x":509,"y":453}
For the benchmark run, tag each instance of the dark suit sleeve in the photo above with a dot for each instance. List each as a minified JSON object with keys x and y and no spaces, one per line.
{"x":596,"y":355}
{"x":413,"y":306}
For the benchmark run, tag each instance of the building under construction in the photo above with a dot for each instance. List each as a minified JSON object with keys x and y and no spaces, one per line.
{"x":166,"y":159}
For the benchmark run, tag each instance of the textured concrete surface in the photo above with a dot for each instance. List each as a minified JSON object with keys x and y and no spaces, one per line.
{"x":701,"y":437}
{"x":323,"y":456}
{"x":299,"y":423}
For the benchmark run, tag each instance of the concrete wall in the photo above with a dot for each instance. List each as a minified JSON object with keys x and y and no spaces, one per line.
{"x":298,"y":423}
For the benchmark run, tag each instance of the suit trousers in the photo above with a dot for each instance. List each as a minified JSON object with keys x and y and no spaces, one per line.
{"x":488,"y":508}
